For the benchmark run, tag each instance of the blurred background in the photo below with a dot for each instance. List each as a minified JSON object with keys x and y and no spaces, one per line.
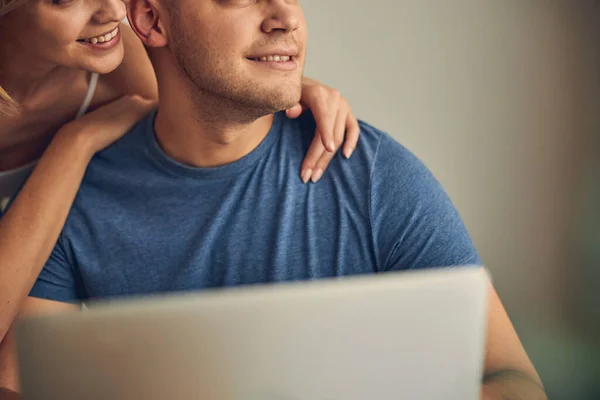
{"x":501,"y":99}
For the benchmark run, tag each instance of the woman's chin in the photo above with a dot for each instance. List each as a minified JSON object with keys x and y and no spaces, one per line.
{"x":105,"y":64}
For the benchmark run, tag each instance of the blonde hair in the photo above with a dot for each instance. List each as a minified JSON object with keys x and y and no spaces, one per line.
{"x":7,"y":6}
{"x":8,"y":105}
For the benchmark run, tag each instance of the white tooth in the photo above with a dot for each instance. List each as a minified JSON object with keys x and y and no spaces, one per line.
{"x":270,"y":58}
{"x":285,"y":58}
{"x":276,"y":58}
{"x":107,"y":37}
{"x":101,"y":39}
{"x":114,"y":33}
{"x":93,"y":40}
{"x":263,"y":59}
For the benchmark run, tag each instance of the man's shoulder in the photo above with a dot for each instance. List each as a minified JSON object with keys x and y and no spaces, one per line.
{"x":392,"y":168}
{"x":374,"y":144}
{"x":123,"y":151}
{"x":118,"y":168}
{"x":369,"y":134}
{"x":383,"y":165}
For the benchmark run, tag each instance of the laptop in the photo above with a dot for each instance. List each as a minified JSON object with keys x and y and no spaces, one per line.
{"x":406,"y":335}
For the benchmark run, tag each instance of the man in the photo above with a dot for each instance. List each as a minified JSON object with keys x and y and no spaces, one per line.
{"x":204,"y":193}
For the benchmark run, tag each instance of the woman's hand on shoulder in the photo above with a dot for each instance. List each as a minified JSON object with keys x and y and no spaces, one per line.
{"x":335,"y":122}
{"x":103,"y":126}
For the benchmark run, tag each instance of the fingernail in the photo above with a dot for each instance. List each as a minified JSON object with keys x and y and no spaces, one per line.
{"x":317,"y":175}
{"x":306,"y":175}
{"x":348,"y":152}
{"x":331,"y":145}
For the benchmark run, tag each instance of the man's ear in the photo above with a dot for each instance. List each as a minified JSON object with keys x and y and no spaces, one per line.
{"x":146,"y":20}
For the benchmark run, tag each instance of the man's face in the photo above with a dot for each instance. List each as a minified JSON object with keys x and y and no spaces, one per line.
{"x":248,"y":52}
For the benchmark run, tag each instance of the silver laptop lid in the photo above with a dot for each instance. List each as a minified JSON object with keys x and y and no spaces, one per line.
{"x":409,"y":335}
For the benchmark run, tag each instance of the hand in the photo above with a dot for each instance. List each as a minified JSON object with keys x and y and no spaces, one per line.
{"x":335,"y":121}
{"x":103,"y":126}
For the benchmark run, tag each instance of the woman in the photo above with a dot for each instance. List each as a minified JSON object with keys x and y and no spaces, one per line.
{"x":59,"y":59}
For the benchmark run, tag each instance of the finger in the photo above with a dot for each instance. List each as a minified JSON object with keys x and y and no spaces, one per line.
{"x":141,"y":106}
{"x":295,"y":111}
{"x":326,"y":157}
{"x":321,"y":165}
{"x":324,"y":109}
{"x":122,"y":123}
{"x":137,"y":103}
{"x":339,"y":129}
{"x":352,"y":134}
{"x":315,"y":151}
{"x":125,"y":107}
{"x":132,"y":109}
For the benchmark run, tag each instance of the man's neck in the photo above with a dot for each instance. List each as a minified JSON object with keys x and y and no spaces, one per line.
{"x":202,"y":135}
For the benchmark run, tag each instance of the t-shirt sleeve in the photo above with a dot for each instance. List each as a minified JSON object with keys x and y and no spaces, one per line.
{"x":58,"y":280}
{"x":415,"y":225}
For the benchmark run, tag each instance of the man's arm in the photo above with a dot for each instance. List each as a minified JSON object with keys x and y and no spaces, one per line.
{"x":417,"y":226}
{"x":9,"y":377}
{"x":509,"y":374}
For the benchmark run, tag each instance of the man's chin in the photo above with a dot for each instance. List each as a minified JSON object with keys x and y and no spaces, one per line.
{"x":259,"y":100}
{"x":278,"y":102}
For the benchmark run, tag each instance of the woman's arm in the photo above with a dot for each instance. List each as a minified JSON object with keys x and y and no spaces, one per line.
{"x":31,"y":226}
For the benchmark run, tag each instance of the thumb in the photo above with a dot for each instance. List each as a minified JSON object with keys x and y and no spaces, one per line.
{"x":295,"y":111}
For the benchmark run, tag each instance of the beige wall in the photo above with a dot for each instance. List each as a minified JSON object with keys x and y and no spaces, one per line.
{"x":498,"y":98}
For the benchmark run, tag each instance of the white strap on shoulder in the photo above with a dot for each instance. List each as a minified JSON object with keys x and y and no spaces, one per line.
{"x":88,"y":96}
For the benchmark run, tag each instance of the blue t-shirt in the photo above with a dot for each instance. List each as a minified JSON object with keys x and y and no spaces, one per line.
{"x":143,"y":223}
